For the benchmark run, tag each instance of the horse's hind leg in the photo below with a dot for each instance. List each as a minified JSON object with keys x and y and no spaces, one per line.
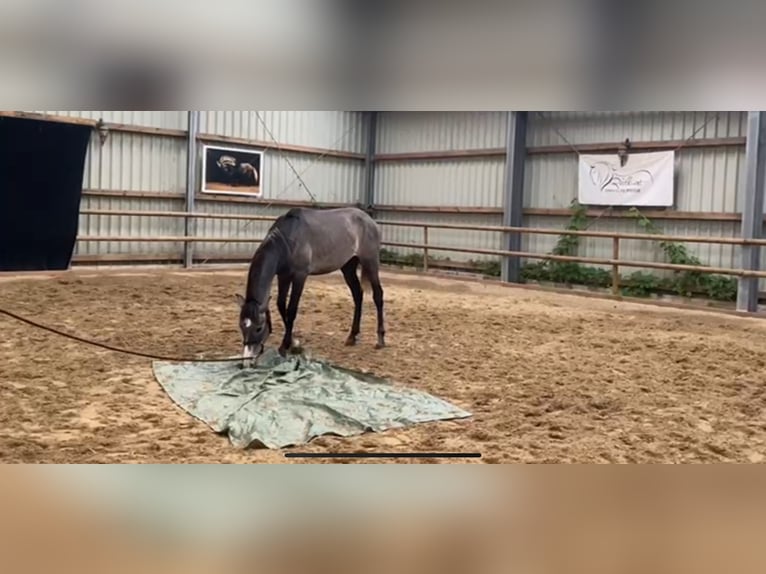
{"x":349,"y":274}
{"x":370,"y":271}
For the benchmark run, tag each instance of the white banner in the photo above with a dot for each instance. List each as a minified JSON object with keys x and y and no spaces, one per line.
{"x":646,"y":179}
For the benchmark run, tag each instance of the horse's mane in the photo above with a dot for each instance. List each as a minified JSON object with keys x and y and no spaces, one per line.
{"x":286,"y":223}
{"x":281,"y":231}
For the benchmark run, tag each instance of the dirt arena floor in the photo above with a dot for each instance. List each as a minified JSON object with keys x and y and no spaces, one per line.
{"x":549,"y":377}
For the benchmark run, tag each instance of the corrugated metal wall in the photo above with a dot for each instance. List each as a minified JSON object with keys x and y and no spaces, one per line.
{"x":707,"y":180}
{"x":601,"y":127}
{"x":459,"y":182}
{"x":332,"y":130}
{"x":400,"y":132}
{"x":127,"y":164}
{"x":147,"y":172}
{"x":329,"y":179}
{"x":131,"y":164}
{"x":175,"y":120}
{"x":143,"y":171}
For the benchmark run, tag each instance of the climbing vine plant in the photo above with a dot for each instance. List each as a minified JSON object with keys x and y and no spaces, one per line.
{"x":568,"y":272}
{"x":687,"y":283}
{"x":636,"y":284}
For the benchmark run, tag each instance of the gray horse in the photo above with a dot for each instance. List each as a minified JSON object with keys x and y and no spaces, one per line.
{"x":305,"y":242}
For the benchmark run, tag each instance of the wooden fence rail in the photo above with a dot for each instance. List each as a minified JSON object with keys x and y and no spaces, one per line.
{"x":165,"y":239}
{"x":455,"y":226}
{"x":426,"y":246}
{"x":176,"y":214}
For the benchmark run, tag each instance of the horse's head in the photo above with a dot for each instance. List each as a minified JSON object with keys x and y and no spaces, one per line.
{"x":248,"y":169}
{"x":255,"y":326}
{"x":227,"y":163}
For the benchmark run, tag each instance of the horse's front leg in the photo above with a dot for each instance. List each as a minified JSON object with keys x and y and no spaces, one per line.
{"x":283,"y":289}
{"x":292,"y":311}
{"x":268,"y":321}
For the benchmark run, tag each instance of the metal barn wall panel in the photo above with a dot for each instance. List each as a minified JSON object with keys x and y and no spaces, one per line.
{"x":175,"y":120}
{"x":442,"y":237}
{"x":400,"y":132}
{"x":474,"y":182}
{"x":137,"y":162}
{"x":232,"y":228}
{"x":327,"y":179}
{"x":129,"y":226}
{"x":330,"y":180}
{"x":467,"y":182}
{"x":707,"y":179}
{"x":337,"y":130}
{"x":156,"y":163}
{"x":129,"y":162}
{"x":610,"y":127}
{"x":132,"y":163}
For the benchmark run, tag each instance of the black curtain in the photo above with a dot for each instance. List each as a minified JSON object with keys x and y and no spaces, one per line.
{"x":41,"y":172}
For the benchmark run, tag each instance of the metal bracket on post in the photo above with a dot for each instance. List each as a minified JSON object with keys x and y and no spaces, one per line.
{"x":192,"y":156}
{"x":623,"y":151}
{"x":513,"y":191}
{"x":103,"y":131}
{"x":752,"y":209}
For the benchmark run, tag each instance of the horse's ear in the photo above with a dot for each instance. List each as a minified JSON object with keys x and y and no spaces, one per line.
{"x":239,"y":299}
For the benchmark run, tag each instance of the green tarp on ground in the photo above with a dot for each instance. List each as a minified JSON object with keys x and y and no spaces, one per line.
{"x":289,"y":401}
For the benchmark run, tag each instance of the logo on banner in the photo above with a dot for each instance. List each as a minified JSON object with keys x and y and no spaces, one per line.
{"x":610,"y":179}
{"x":646,"y":179}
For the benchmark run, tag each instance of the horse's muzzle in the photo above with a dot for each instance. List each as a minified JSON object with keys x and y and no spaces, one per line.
{"x":249,"y":355}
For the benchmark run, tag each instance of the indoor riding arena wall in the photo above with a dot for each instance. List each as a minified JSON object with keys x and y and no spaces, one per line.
{"x":141,"y":166}
{"x":447,"y":167}
{"x":707,"y":184}
{"x":548,"y":375}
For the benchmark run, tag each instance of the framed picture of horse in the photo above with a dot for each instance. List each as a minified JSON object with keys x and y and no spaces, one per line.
{"x":232,"y":171}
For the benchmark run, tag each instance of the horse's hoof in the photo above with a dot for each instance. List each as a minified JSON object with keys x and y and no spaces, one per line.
{"x":295,"y":347}
{"x":351,"y":341}
{"x":379,"y":345}
{"x":282,"y":351}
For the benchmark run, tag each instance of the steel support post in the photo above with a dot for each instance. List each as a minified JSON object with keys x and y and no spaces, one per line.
{"x":752,"y":209}
{"x":192,"y":156}
{"x":513,"y":191}
{"x":368,"y":195}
